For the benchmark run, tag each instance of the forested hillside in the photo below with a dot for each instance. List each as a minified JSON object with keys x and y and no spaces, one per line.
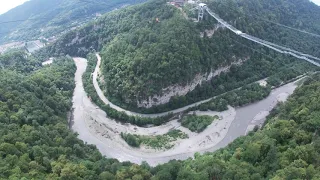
{"x":50,"y":17}
{"x":152,"y":46}
{"x":141,"y":63}
{"x":36,"y":143}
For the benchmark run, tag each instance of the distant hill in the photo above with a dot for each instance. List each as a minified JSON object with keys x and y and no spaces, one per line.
{"x":51,"y":17}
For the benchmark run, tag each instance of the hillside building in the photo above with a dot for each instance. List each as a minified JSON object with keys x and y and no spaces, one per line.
{"x":178,"y":2}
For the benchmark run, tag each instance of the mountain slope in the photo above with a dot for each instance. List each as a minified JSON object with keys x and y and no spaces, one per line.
{"x":50,"y":17}
{"x":152,"y":52}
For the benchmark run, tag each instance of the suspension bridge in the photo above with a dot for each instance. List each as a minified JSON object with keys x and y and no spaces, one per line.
{"x":202,"y":8}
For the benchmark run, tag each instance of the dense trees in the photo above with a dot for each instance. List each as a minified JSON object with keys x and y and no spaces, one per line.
{"x":236,"y":98}
{"x":156,"y":142}
{"x":197,"y":123}
{"x":19,"y":61}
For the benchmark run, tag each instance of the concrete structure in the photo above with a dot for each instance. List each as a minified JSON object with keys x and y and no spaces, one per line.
{"x":32,"y":46}
{"x":202,"y":7}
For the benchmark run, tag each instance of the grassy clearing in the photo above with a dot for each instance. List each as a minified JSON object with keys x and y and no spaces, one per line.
{"x":156,"y":142}
{"x":197,"y":123}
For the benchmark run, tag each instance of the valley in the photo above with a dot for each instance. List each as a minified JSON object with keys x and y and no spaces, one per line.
{"x":160,"y":90}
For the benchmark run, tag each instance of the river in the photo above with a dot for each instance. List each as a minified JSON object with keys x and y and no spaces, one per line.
{"x":85,"y":112}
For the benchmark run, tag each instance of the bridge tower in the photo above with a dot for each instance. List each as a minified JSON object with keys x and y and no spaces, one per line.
{"x":202,"y":7}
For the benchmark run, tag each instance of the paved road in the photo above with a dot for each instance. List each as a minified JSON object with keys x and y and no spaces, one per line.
{"x":84,"y":108}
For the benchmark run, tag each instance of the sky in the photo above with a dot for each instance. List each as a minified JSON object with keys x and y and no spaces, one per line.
{"x":6,"y":5}
{"x":316,"y":2}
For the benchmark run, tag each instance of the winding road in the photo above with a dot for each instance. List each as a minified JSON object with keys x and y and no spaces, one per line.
{"x":88,"y":119}
{"x":106,"y":101}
